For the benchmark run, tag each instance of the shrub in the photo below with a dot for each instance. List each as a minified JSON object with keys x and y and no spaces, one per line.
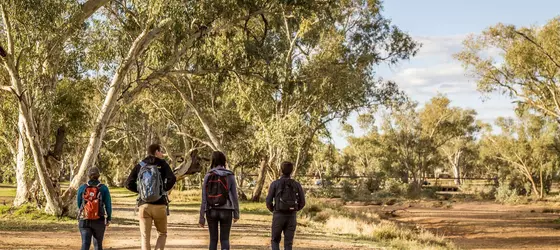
{"x":322,"y":217}
{"x":395,"y":187}
{"x":505,"y":194}
{"x":487,"y":193}
{"x":311,"y":210}
{"x":347,"y":190}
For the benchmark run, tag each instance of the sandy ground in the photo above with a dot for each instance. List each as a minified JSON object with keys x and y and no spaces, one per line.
{"x":487,"y":225}
{"x":251,"y":232}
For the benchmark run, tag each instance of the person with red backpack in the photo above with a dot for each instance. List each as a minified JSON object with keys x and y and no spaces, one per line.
{"x":94,"y":202}
{"x":219,"y":204}
{"x":285,"y":198}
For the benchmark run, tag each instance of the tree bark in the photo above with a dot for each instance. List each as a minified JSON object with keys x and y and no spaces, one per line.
{"x":260,"y":181}
{"x":457,"y":168}
{"x":22,"y":189}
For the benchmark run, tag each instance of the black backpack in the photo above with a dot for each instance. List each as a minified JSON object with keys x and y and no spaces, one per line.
{"x":287,"y":196}
{"x":217,"y":190}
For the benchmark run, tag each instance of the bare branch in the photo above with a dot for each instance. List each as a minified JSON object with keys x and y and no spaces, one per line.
{"x":6,"y":88}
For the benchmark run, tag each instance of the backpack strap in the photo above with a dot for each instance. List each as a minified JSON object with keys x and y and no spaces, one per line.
{"x":81,"y":208}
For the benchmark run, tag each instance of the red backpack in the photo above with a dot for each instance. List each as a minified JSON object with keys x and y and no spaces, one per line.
{"x":92,"y":204}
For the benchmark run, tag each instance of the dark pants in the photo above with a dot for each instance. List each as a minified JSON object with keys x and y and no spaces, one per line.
{"x":222,"y":217}
{"x":283,"y":222}
{"x":92,"y":228}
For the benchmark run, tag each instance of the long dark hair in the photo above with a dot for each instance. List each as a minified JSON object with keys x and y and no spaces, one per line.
{"x":218,"y":159}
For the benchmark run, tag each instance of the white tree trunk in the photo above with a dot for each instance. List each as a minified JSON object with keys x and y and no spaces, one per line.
{"x":109,"y":106}
{"x":24,"y":105}
{"x":260,"y":181}
{"x":22,"y":190}
{"x":457,"y":167}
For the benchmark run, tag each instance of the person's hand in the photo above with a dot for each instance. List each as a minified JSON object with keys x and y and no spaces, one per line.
{"x":235,"y":220}
{"x":200,"y":225}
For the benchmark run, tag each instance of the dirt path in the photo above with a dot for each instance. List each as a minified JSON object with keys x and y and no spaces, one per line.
{"x":489,"y":225}
{"x":252,"y":232}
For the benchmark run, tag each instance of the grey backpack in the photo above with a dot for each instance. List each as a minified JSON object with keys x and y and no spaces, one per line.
{"x":150,"y":184}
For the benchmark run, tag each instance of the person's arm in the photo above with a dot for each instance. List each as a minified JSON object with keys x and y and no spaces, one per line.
{"x":170,"y":178}
{"x":80,"y":196}
{"x":201,"y":219}
{"x":106,"y":196}
{"x":301,"y":197}
{"x":131,"y":180}
{"x":235,"y":200}
{"x":270,"y":197}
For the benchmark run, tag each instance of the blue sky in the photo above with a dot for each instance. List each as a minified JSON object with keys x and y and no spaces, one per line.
{"x":441,"y":26}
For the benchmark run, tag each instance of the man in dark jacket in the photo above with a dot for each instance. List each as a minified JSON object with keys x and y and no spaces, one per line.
{"x":284,"y":221}
{"x":153,"y":211}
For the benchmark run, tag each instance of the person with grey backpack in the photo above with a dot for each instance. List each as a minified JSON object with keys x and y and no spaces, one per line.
{"x":152,"y":178}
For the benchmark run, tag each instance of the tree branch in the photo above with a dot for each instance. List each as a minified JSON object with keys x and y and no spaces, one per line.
{"x":8,"y":28}
{"x":88,"y":8}
{"x":6,"y":88}
{"x":538,"y":46}
{"x":179,"y":53}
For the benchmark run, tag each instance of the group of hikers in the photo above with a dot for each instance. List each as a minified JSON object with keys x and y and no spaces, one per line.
{"x":152,"y":179}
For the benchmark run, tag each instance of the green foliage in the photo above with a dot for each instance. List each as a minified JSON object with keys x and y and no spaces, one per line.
{"x":395,"y":187}
{"x":505,"y":194}
{"x":525,"y":153}
{"x":526,"y":68}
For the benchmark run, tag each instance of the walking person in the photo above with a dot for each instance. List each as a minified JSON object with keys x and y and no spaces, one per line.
{"x":219,"y":204}
{"x":152,"y":178}
{"x":285,"y":198}
{"x":94,"y":202}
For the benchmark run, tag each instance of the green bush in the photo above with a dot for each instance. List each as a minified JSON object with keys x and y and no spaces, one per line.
{"x":505,"y":194}
{"x":347,"y":190}
{"x":5,"y":209}
{"x":395,"y":187}
{"x":487,"y":193}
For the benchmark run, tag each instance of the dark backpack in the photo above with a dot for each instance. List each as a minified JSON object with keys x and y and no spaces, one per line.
{"x":287,"y":196}
{"x":217,"y":190}
{"x":92,"y":204}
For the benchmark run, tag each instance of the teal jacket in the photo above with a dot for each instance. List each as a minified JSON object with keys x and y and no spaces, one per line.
{"x":105,"y":196}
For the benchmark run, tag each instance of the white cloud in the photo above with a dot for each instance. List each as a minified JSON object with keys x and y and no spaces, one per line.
{"x":446,"y":78}
{"x":434,"y":71}
{"x":440,"y":46}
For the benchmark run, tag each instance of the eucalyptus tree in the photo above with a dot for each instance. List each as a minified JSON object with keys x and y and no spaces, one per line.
{"x":526,"y":66}
{"x":526,"y":147}
{"x":125,"y":48}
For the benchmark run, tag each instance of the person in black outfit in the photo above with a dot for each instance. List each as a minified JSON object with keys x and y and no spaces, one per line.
{"x":284,"y":221}
{"x":219,"y":217}
{"x":155,"y":212}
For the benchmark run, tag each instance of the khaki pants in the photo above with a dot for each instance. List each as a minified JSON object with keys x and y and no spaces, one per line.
{"x":158,"y":214}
